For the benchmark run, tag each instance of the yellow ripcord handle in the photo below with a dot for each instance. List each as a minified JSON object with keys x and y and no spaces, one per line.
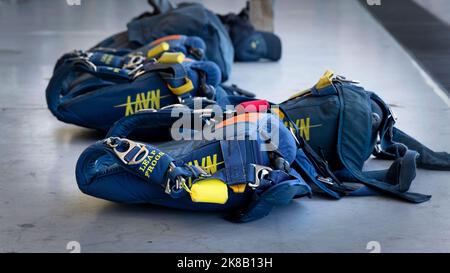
{"x":209,"y":190}
{"x":155,"y":51}
{"x":171,"y":58}
{"x":324,"y":81}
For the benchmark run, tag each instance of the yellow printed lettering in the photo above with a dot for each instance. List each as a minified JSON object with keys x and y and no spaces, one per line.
{"x":211,"y":165}
{"x":304,"y":128}
{"x":128,"y":109}
{"x":138,"y":102}
{"x":208,"y":163}
{"x":151,"y":99}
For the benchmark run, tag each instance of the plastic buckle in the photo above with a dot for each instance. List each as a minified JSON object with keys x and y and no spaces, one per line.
{"x":259,"y":173}
{"x":113,"y":142}
{"x":180,"y":90}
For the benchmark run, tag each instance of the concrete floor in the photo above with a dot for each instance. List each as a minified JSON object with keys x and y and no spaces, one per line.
{"x":41,"y":208}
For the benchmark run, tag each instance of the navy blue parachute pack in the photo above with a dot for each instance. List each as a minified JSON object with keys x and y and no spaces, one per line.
{"x":186,"y":19}
{"x":250,"y":45}
{"x":344,"y":125}
{"x":227,"y":38}
{"x":96,"y":88}
{"x":234,"y":175}
{"x":192,"y":47}
{"x":130,"y":83}
{"x":329,"y":154}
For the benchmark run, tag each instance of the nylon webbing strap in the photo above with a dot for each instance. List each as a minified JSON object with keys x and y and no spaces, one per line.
{"x":348,"y":154}
{"x":175,"y":75}
{"x":428,"y":158}
{"x":235,"y":167}
{"x":145,"y":161}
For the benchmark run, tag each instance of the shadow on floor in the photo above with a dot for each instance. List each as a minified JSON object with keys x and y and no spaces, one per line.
{"x":77,"y":135}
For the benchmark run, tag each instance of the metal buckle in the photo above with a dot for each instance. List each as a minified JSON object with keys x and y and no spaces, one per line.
{"x":175,"y":105}
{"x":138,"y":71}
{"x":83,"y":58}
{"x":344,"y":79}
{"x":378,"y":148}
{"x":260,"y":173}
{"x":200,"y":170}
{"x":148,"y":110}
{"x":295,"y":137}
{"x":204,"y":113}
{"x":113,"y":142}
{"x":179,"y":180}
{"x":134,"y":70}
{"x":196,"y":52}
{"x":391,"y":113}
{"x":134,"y":61}
{"x":85,"y":61}
{"x":326,"y":180}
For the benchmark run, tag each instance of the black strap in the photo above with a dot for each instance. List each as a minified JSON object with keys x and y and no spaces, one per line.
{"x":164,"y":68}
{"x":205,"y":89}
{"x":235,"y":90}
{"x":394,"y":143}
{"x":428,"y":158}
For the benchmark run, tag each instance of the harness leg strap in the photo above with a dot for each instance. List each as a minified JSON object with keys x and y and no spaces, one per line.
{"x":428,"y":159}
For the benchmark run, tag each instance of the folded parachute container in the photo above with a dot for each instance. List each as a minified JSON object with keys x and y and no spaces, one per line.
{"x":93,"y":95}
{"x":235,"y":173}
{"x":191,"y":46}
{"x":343,"y":125}
{"x":191,"y":19}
